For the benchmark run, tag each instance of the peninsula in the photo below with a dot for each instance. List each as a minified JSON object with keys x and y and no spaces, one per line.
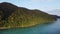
{"x":12,"y":16}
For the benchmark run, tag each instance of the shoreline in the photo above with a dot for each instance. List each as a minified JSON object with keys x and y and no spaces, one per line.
{"x":26,"y":26}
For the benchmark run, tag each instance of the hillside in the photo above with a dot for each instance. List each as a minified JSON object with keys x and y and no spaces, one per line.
{"x":12,"y":16}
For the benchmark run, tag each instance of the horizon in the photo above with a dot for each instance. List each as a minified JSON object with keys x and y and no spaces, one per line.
{"x":43,"y":5}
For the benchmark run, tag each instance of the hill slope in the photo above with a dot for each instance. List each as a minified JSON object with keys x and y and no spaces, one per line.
{"x":13,"y":16}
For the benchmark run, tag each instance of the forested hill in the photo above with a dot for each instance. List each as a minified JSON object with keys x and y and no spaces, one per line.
{"x":14,"y":16}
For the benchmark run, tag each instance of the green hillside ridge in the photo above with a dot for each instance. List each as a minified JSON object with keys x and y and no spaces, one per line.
{"x":12,"y":16}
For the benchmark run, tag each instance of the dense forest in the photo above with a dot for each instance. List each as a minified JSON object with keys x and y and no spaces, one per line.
{"x":14,"y":16}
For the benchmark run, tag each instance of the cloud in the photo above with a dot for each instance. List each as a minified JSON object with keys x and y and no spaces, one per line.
{"x":41,"y":0}
{"x":49,"y":0}
{"x":35,"y":0}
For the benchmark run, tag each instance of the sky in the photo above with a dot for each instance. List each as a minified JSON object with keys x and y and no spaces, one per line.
{"x":44,"y":5}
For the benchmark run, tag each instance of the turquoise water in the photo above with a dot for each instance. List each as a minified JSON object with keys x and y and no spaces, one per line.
{"x":53,"y":28}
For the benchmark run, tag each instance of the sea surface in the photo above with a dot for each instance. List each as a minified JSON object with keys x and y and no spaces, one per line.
{"x":53,"y":28}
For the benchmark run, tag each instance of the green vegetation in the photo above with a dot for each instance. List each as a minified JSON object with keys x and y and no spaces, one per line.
{"x":22,"y":17}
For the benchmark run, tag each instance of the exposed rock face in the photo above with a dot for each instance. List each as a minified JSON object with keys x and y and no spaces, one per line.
{"x":13,"y":16}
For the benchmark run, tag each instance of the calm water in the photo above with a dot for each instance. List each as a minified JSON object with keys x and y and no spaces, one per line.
{"x":53,"y":28}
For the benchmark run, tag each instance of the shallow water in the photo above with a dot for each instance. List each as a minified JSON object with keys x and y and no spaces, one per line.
{"x":53,"y":28}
